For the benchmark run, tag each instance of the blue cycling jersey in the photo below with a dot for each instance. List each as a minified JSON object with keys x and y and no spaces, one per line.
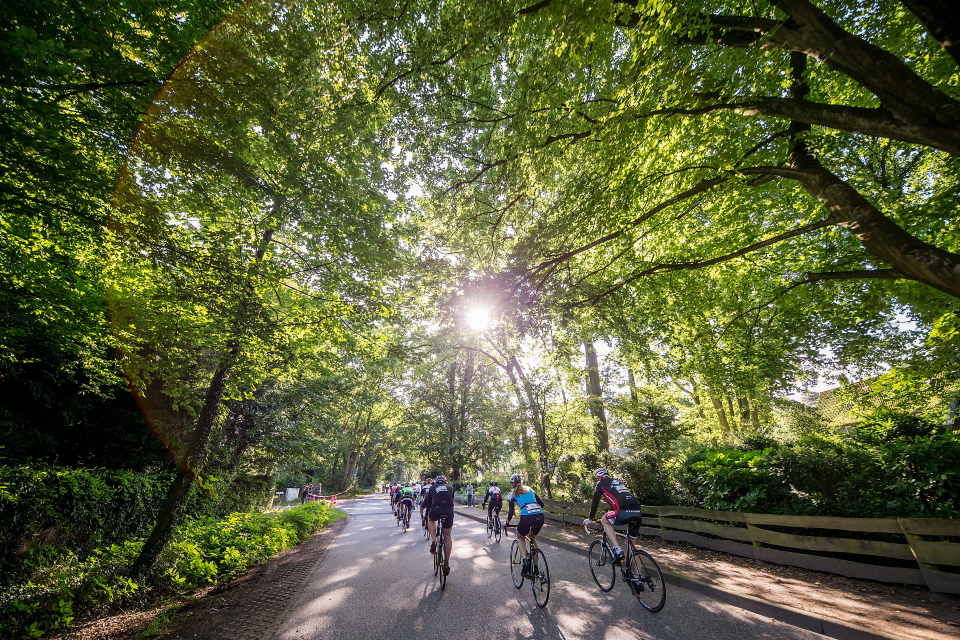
{"x":527,"y":503}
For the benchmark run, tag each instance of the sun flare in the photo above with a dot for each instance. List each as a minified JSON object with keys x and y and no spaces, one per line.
{"x":478,"y":319}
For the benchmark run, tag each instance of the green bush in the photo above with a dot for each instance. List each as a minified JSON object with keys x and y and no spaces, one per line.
{"x":76,"y":511}
{"x":894,"y":464}
{"x":210,"y":550}
{"x":923,"y":475}
{"x":733,"y":480}
{"x":55,"y":583}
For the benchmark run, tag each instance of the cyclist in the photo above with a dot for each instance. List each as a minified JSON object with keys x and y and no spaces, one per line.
{"x":416,"y":491}
{"x":406,"y":499}
{"x":496,"y":500}
{"x":423,"y":493}
{"x":395,"y":495}
{"x":531,"y":516}
{"x":439,"y":506}
{"x":624,"y":508}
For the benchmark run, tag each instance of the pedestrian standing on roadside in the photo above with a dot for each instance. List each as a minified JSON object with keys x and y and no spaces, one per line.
{"x":469,"y":494}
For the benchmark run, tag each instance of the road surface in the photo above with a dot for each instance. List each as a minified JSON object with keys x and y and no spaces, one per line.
{"x":377,"y":583}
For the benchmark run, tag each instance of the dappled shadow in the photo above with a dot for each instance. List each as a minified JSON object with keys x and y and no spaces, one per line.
{"x":379,"y":583}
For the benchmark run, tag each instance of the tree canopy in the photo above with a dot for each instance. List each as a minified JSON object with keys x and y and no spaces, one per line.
{"x":335,"y":240}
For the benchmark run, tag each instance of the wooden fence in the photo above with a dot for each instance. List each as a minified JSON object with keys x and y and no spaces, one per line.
{"x":921,"y":551}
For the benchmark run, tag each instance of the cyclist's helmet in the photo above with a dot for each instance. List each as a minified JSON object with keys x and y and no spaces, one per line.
{"x":493,"y":483}
{"x":407,"y":484}
{"x":515,"y":478}
{"x":601,"y":473}
{"x":441,"y":478}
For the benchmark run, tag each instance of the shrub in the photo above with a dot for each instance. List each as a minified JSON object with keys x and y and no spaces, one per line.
{"x":210,"y":550}
{"x":78,"y":510}
{"x":55,"y":583}
{"x":733,"y":480}
{"x":923,"y":475}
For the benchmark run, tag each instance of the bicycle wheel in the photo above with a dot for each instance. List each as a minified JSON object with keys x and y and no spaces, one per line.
{"x":406,"y":519}
{"x":648,"y":586}
{"x":489,"y":527}
{"x":540,"y":578}
{"x":601,"y":566}
{"x":516,"y":564}
{"x":443,"y":560}
{"x":437,"y":557}
{"x":497,"y":529}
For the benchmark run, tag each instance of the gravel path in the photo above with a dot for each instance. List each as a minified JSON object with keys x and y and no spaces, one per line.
{"x":377,"y":582}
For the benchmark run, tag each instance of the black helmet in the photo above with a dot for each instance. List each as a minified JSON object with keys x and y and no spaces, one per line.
{"x":441,"y":478}
{"x":492,"y":483}
{"x":515,"y":479}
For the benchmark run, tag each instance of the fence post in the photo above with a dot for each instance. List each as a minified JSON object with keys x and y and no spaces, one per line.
{"x":750,"y":529}
{"x":912,"y":540}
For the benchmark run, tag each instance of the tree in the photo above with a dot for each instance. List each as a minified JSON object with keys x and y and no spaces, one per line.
{"x":247,"y":237}
{"x":74,"y":83}
{"x":614,"y":145}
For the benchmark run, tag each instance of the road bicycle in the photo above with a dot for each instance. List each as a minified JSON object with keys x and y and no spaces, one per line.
{"x":539,"y":572}
{"x":494,"y":528}
{"x":405,"y":516}
{"x":439,"y":558}
{"x":423,"y":523}
{"x":638,"y":569}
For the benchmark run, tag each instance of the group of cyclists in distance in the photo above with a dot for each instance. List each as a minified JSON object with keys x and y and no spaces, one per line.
{"x":435,"y":499}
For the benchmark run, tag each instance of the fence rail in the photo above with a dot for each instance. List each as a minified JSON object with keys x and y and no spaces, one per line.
{"x":926,"y":550}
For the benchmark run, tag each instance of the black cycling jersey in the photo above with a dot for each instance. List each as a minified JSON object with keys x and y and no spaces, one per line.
{"x":440,"y":495}
{"x":494,"y":496}
{"x":616,"y":494}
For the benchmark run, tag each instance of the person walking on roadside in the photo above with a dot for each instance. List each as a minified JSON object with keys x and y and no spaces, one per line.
{"x":469,"y":494}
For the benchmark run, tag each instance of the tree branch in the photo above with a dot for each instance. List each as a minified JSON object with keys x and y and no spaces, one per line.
{"x":910,"y":103}
{"x":867,"y":274}
{"x":700,"y":264}
{"x":941,"y":20}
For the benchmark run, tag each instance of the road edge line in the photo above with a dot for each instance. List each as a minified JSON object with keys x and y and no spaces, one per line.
{"x":824,"y":625}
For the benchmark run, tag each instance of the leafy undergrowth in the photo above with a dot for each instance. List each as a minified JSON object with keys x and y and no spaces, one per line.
{"x":55,"y":586}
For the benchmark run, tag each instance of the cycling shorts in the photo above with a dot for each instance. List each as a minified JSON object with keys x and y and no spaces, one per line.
{"x":442,"y":513}
{"x":530,"y":524}
{"x":629,"y":517}
{"x":408,"y":501}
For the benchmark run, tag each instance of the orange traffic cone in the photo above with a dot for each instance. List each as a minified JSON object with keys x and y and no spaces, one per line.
{"x":334,"y":498}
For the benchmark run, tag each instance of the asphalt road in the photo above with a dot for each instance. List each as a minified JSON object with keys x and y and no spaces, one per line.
{"x":377,"y":583}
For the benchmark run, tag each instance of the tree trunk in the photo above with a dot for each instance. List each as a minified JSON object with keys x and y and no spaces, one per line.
{"x":536,"y":419}
{"x":178,"y":489}
{"x":696,"y":399}
{"x":744,"y":408}
{"x":718,"y":405}
{"x":595,"y":399}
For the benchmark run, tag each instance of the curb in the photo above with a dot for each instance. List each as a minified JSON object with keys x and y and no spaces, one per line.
{"x":823,"y":625}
